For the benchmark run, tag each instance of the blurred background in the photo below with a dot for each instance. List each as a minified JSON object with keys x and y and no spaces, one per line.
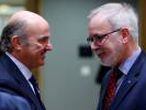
{"x":70,"y":79}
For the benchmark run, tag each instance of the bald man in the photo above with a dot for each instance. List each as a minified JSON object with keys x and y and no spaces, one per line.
{"x":23,"y":46}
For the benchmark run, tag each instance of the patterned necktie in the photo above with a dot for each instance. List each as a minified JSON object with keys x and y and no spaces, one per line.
{"x":37,"y":91}
{"x":35,"y":86}
{"x":111,"y":88}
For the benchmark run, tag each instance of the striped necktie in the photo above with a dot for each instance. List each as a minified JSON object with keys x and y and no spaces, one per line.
{"x":35,"y":86}
{"x":111,"y":88}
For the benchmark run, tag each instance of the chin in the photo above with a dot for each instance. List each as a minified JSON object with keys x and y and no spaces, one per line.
{"x":107,"y":63}
{"x":41,"y":63}
{"x":38,"y":65}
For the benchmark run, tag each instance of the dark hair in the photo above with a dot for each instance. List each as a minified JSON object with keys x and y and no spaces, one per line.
{"x":14,"y":28}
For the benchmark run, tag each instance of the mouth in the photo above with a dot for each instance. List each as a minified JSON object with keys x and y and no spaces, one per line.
{"x":101,"y":54}
{"x":43,"y":55}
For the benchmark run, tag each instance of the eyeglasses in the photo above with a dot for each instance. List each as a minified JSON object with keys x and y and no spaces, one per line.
{"x":99,"y":38}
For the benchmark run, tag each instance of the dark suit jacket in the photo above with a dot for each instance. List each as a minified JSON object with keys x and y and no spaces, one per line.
{"x":13,"y":102}
{"x":132,"y":93}
{"x":13,"y":82}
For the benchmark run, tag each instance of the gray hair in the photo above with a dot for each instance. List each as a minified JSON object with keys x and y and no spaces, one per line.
{"x":11,"y":29}
{"x":119,"y":15}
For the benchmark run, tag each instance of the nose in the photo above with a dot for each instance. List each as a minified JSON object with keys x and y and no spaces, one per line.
{"x":49,"y":47}
{"x":95,"y":45}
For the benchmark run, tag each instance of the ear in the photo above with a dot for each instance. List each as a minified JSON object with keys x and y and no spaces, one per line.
{"x":125,"y":34}
{"x":16,"y":43}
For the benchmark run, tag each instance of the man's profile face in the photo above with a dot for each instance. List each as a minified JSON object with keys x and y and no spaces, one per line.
{"x":38,"y":43}
{"x":109,"y":49}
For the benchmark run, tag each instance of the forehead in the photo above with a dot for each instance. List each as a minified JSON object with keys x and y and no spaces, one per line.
{"x":99,"y":24}
{"x":40,"y":30}
{"x":39,"y":38}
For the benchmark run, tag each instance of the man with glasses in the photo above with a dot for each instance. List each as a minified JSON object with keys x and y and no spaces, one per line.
{"x":113,"y":36}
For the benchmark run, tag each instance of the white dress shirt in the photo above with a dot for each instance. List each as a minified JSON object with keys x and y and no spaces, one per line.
{"x":24,"y":70}
{"x":126,"y":66}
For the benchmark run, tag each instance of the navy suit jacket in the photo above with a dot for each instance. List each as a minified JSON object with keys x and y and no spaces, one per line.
{"x":13,"y":102}
{"x":13,"y":83}
{"x":132,"y":93}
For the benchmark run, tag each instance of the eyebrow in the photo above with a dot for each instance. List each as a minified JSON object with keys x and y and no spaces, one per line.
{"x":42,"y":36}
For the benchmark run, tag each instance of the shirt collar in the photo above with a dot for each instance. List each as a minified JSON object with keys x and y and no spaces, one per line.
{"x":24,"y":70}
{"x":126,"y":66}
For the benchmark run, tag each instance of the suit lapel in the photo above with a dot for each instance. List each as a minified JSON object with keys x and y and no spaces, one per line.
{"x":129,"y":82}
{"x":22,"y":85}
{"x":125,"y":88}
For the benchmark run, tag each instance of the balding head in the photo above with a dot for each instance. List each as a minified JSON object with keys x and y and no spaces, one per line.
{"x":22,"y":24}
{"x":26,"y":16}
{"x":30,"y":19}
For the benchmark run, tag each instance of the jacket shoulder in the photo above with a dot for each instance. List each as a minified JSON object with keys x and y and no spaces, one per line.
{"x":13,"y":102}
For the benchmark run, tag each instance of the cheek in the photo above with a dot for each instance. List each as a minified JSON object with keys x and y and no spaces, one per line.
{"x":116,"y":45}
{"x":109,"y":48}
{"x":117,"y":53}
{"x":36,"y":47}
{"x":112,"y":51}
